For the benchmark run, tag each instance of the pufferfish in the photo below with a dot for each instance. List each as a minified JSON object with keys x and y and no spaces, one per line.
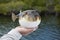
{"x":28,"y":18}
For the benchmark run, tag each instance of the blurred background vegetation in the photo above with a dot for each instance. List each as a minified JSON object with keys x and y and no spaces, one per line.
{"x":7,"y":6}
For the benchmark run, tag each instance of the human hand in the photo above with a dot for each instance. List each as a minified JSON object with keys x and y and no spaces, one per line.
{"x":25,"y":31}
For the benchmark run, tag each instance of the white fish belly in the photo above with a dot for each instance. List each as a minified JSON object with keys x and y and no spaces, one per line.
{"x":28,"y":24}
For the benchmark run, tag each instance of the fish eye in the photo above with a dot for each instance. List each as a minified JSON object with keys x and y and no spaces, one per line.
{"x":25,"y":13}
{"x":36,"y":15}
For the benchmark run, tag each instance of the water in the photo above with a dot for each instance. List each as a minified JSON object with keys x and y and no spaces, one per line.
{"x":49,"y":29}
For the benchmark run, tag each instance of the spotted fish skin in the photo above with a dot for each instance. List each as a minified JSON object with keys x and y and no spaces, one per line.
{"x":30,"y":15}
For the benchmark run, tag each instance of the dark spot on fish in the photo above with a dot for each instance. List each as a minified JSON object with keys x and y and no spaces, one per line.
{"x":25,"y":14}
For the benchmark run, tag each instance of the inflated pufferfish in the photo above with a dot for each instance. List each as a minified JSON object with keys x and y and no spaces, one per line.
{"x":28,"y":18}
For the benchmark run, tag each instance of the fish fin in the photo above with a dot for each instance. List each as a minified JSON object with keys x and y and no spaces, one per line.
{"x":14,"y":17}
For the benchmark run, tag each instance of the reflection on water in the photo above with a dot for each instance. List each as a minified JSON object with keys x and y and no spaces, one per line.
{"x":49,"y":29}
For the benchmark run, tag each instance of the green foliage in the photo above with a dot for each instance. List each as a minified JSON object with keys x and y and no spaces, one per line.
{"x":8,"y":5}
{"x":57,"y":8}
{"x":4,"y":8}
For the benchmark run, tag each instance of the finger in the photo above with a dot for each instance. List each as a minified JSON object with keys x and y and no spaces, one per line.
{"x":29,"y":30}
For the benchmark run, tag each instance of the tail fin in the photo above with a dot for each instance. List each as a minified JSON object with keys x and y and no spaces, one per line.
{"x":14,"y":17}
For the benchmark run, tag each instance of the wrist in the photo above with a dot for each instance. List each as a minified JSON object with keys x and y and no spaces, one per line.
{"x":18,"y":29}
{"x":15,"y":34}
